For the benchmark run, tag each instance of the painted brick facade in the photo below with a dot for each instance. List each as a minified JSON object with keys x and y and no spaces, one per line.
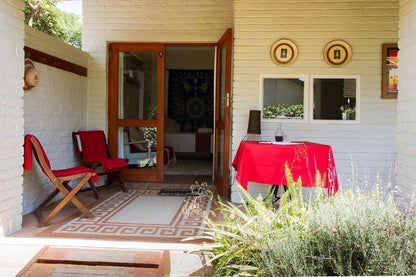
{"x":11,"y":115}
{"x":367,"y":149}
{"x":143,"y":21}
{"x":58,"y":105}
{"x":52,"y":111}
{"x":370,"y":145}
{"x":406,"y":112}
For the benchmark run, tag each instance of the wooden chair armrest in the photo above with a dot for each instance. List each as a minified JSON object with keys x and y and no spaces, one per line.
{"x":138,"y":141}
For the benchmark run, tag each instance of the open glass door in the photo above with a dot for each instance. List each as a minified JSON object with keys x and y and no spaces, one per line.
{"x":222,"y":114}
{"x":135,"y":108}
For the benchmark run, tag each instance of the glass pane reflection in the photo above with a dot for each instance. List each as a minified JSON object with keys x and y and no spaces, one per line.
{"x":220,"y":159}
{"x":138,"y":145}
{"x":137,"y":85}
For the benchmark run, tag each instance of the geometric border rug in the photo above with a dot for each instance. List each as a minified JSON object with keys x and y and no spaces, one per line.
{"x":140,"y":215}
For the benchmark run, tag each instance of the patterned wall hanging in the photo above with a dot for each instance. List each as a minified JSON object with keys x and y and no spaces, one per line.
{"x":190,"y":99}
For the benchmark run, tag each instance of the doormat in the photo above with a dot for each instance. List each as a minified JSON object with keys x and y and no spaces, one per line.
{"x":178,"y":192}
{"x":55,"y":261}
{"x":140,"y":215}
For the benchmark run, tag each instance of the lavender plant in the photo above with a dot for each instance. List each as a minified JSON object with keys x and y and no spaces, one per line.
{"x":353,"y":233}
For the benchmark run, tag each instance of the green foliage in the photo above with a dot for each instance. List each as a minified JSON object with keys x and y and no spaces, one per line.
{"x":352,"y":233}
{"x":61,"y":25}
{"x":283,"y":110}
{"x":247,"y":228}
{"x":350,"y":114}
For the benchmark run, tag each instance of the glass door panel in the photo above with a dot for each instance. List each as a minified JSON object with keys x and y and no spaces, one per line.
{"x":136,"y":100}
{"x":222,"y":114}
{"x":137,"y":85}
{"x":220,"y":154}
{"x":138,"y":147}
{"x":222,"y":80}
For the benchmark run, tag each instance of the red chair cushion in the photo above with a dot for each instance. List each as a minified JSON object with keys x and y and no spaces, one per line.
{"x":75,"y":170}
{"x":171,"y":152}
{"x":114,"y":164}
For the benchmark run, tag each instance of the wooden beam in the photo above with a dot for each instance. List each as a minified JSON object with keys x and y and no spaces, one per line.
{"x":41,"y":57}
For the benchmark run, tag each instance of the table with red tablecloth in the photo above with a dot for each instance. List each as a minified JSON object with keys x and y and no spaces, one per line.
{"x":264,"y":162}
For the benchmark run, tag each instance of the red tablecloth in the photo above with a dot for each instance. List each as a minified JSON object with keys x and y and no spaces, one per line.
{"x":265,"y":164}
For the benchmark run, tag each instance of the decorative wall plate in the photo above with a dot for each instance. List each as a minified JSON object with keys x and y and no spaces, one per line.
{"x":337,"y":53}
{"x":284,"y":52}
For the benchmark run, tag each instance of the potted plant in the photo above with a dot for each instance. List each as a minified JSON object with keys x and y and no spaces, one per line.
{"x":347,"y":113}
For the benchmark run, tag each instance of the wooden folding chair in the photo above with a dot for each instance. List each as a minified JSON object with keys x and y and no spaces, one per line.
{"x":92,"y":151}
{"x":60,"y":178}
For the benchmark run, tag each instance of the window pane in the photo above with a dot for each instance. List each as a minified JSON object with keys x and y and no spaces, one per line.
{"x":138,"y":145}
{"x":137,"y":85}
{"x":283,"y":98}
{"x":334,"y":99}
{"x":220,"y":157}
{"x":222,"y":95}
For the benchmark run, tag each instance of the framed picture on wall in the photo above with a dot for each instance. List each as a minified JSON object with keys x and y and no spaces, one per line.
{"x":390,"y":67}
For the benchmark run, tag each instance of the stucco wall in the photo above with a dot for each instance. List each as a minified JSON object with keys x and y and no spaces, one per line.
{"x":406,"y":111}
{"x":11,"y":115}
{"x":143,"y":21}
{"x":369,"y":146}
{"x":52,"y":111}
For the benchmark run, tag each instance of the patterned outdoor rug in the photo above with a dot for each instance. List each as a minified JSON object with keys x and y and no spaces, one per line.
{"x":140,"y":215}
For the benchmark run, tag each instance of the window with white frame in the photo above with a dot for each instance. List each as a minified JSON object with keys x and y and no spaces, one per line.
{"x":335,"y":97}
{"x":283,"y":97}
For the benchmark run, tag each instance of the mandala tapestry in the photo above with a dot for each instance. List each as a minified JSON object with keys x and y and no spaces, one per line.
{"x":191,"y":98}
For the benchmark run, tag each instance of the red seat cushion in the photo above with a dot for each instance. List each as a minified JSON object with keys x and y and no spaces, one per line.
{"x":171,"y":152}
{"x":114,"y":164}
{"x":75,"y":170}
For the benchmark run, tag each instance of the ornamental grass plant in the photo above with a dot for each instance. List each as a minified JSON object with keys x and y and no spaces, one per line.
{"x":352,"y":233}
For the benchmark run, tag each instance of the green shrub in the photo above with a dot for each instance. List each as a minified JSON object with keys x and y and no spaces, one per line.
{"x":283,"y":110}
{"x":248,"y":227}
{"x":352,"y":233}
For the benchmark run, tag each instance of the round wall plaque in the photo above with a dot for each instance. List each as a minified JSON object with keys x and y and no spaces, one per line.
{"x":284,"y":52}
{"x":337,"y":53}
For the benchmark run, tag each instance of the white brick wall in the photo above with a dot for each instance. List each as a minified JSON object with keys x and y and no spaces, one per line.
{"x":52,"y":111}
{"x":143,"y":21}
{"x":406,"y":112}
{"x":11,"y":115}
{"x":365,"y":25}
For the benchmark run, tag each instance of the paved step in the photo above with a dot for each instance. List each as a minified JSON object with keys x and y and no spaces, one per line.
{"x":55,"y":261}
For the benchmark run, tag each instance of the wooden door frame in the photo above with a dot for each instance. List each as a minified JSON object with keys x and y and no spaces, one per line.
{"x":150,"y":175}
{"x":114,"y":123}
{"x":222,"y":183}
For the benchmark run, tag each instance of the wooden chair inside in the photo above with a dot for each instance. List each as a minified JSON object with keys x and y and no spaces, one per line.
{"x":113,"y":174}
{"x":61,"y":178}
